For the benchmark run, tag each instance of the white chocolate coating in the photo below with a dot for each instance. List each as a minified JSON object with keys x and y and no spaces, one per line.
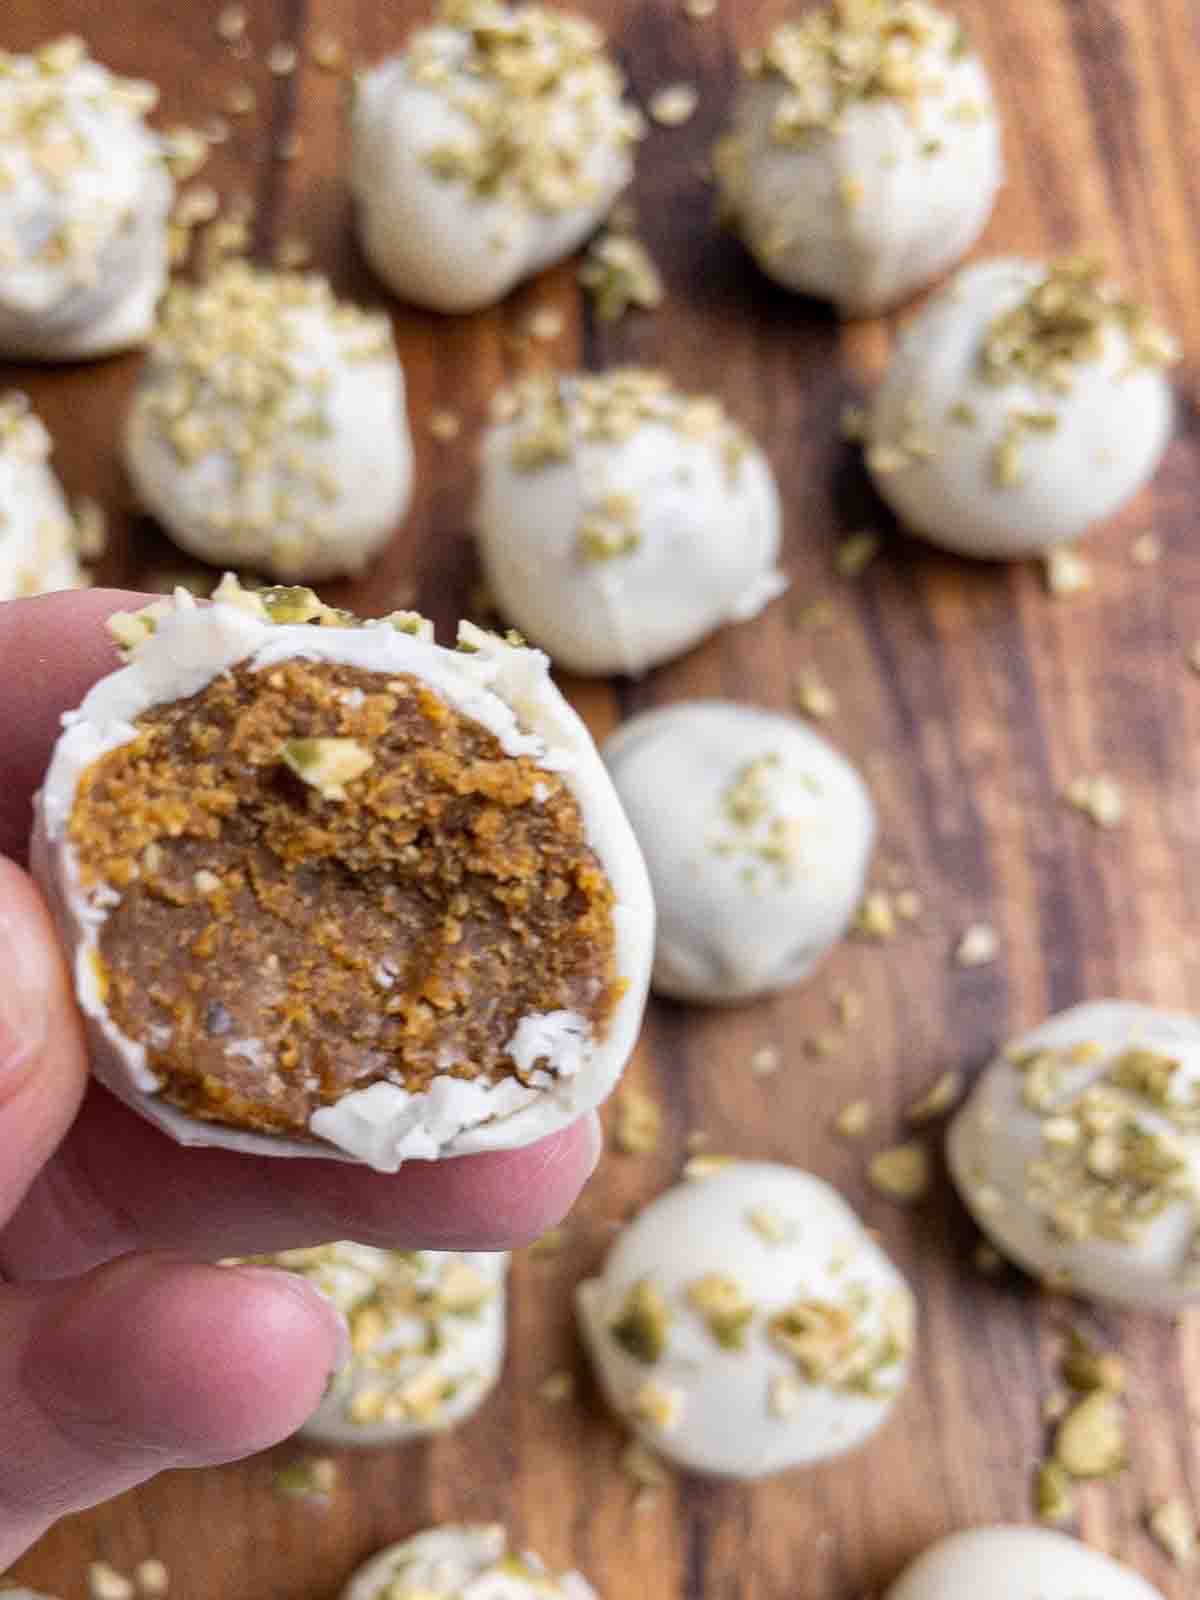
{"x":491,"y":148}
{"x":757,"y":863}
{"x":941,"y":422}
{"x":269,"y":430}
{"x":38,"y":548}
{"x":785,"y":1238}
{"x":1016,"y":1563}
{"x":865,"y":202}
{"x":508,"y":691}
{"x":461,"y":1563}
{"x":1110,"y":1240}
{"x":620,"y":521}
{"x":84,"y":197}
{"x":428,"y":1331}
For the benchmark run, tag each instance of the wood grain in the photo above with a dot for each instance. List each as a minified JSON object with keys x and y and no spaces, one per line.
{"x":968,"y":695}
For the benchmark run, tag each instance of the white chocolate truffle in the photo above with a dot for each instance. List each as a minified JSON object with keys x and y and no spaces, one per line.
{"x":620,"y":521}
{"x":269,"y":429}
{"x":84,"y":197}
{"x":1021,"y":405}
{"x":427,"y":1010}
{"x":38,"y":537}
{"x":747,"y":1323}
{"x":461,"y":1563}
{"x":757,"y":835}
{"x":1017,"y":1563}
{"x":865,"y":154}
{"x":1078,"y":1154}
{"x":427,"y":1328}
{"x":491,"y":148}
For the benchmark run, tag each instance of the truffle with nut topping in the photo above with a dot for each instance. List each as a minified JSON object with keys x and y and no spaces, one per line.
{"x":427,"y":1330}
{"x":38,"y":537}
{"x":1078,"y":1154}
{"x":620,"y":521}
{"x":864,"y":156}
{"x":1021,"y":405}
{"x":84,"y":197}
{"x":746,"y":1323}
{"x":492,"y":147}
{"x":1017,"y":1563}
{"x":757,"y":835}
{"x":328,"y":887}
{"x":269,"y":429}
{"x":461,"y":1562}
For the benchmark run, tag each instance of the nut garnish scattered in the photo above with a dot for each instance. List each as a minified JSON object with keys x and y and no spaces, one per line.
{"x":856,"y":553}
{"x":724,"y":1307}
{"x":1053,"y":1492}
{"x":106,"y":1583}
{"x":814,"y":697}
{"x":620,"y":274}
{"x":556,"y":1388}
{"x":1173,"y":1525}
{"x":327,"y":765}
{"x":770,"y":1225}
{"x":644,"y":1468}
{"x":853,"y":1120}
{"x":659,"y":1405}
{"x":638,"y":1123}
{"x":1099,"y":798}
{"x":1090,"y":1440}
{"x":834,"y":1344}
{"x":152,"y":1578}
{"x":979,"y":946}
{"x":1067,"y":572}
{"x":1147,"y":548}
{"x":699,"y":1168}
{"x":765,"y":1061}
{"x":902,"y":1173}
{"x":643,"y":1323}
{"x":875,"y":917}
{"x":674,"y":105}
{"x":940,"y":1098}
{"x":307,"y":1478}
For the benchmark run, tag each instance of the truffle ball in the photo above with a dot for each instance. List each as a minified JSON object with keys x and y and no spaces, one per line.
{"x":1021,"y":405}
{"x":269,"y":428}
{"x":1078,"y":1154}
{"x":757,"y":835}
{"x":461,"y":1563}
{"x":1016,"y":1563}
{"x":620,"y":521}
{"x":330,"y":887}
{"x":427,"y":1328}
{"x":489,"y":149}
{"x":84,"y":197}
{"x":746,"y":1323}
{"x":864,"y":157}
{"x":38,"y":538}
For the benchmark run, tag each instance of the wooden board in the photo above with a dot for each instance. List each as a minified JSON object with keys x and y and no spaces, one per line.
{"x":969,"y":696}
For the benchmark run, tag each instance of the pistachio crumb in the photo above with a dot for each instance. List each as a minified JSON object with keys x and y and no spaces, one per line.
{"x":1090,"y":1441}
{"x":771,"y":1225}
{"x":722,"y":1303}
{"x":1099,"y":798}
{"x":937,"y":1100}
{"x":658,"y":1404}
{"x":545,"y":323}
{"x":282,"y":59}
{"x":699,"y":1168}
{"x":978,"y":947}
{"x":853,"y":1120}
{"x":674,"y":105}
{"x":785,"y":1395}
{"x":106,"y":1583}
{"x":1174,"y":1527}
{"x":556,"y":1388}
{"x":1086,"y":1368}
{"x":307,"y":1478}
{"x":875,"y":917}
{"x":700,"y":10}
{"x":445,"y":426}
{"x":638,"y":1123}
{"x":232,"y":22}
{"x":643,"y":1323}
{"x":902,"y":1172}
{"x":620,"y":274}
{"x":643,"y":1467}
{"x":856,"y":553}
{"x":814,"y":697}
{"x":765,"y":1061}
{"x":909,"y":905}
{"x":292,"y":253}
{"x":1146,"y":549}
{"x":152,"y":1578}
{"x":1053,"y":1496}
{"x":328,"y":52}
{"x":1067,"y":572}
{"x":327,"y":765}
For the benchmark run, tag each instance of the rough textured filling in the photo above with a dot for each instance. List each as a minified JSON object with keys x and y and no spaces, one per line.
{"x":329,"y":878}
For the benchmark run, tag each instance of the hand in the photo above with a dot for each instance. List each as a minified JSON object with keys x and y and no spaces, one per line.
{"x":122,"y":1351}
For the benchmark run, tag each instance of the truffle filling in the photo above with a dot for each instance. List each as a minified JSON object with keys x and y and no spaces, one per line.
{"x":328,"y":877}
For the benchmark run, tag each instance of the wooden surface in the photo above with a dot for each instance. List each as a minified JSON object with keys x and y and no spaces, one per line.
{"x":969,"y":696}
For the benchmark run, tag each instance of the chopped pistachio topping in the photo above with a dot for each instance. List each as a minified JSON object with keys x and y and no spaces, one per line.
{"x":1067,"y":572}
{"x":1146,"y":549}
{"x":1173,"y":1525}
{"x":638,"y":1123}
{"x":853,"y":1120}
{"x":814,"y":697}
{"x":556,"y":1388}
{"x":698,"y":1168}
{"x":979,"y":946}
{"x":307,"y":1478}
{"x":785,"y":1395}
{"x":937,"y":1100}
{"x":762,"y":820}
{"x":1085,"y":1368}
{"x":674,"y":104}
{"x":722,"y":1303}
{"x":1090,"y":1440}
{"x":856,"y":553}
{"x":1099,"y":798}
{"x":643,"y":1323}
{"x":620,"y":275}
{"x":658,"y":1404}
{"x":1053,"y":1494}
{"x":445,"y":426}
{"x":328,"y":52}
{"x":765,"y":1061}
{"x":643,"y":1467}
{"x":837,"y":1345}
{"x":609,"y":529}
{"x":771,"y":1225}
{"x":152,"y":1578}
{"x":537,"y":94}
{"x":901,"y":1173}
{"x":327,"y":765}
{"x":876,"y":916}
{"x":106,"y":1583}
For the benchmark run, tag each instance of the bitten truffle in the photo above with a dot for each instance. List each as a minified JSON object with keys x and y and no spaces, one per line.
{"x":39,"y":542}
{"x":461,"y":1563}
{"x":864,"y":157}
{"x":330,"y":887}
{"x":746,"y":1323}
{"x":269,"y":429}
{"x":621,"y":521}
{"x":1015,"y":1563}
{"x":1021,"y":405}
{"x":84,"y":197}
{"x":1078,"y":1154}
{"x":757,"y":835}
{"x":492,"y":147}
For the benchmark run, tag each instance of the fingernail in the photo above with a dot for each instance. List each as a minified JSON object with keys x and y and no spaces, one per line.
{"x":22,"y":992}
{"x":596,"y":1134}
{"x":289,"y":1283}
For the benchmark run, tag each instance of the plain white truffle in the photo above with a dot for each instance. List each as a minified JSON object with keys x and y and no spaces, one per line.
{"x":174,"y":649}
{"x":746,"y":1323}
{"x":427,"y":1327}
{"x":1023,"y":404}
{"x":84,"y":197}
{"x":1016,"y":1563}
{"x":620,"y":521}
{"x":757,"y":836}
{"x":38,"y":537}
{"x":269,"y":429}
{"x":491,"y":148}
{"x":1078,"y":1154}
{"x":864,"y":157}
{"x":461,"y":1563}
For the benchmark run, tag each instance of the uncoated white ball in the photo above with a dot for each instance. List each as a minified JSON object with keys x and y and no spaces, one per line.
{"x":864,"y":157}
{"x":84,"y":197}
{"x":456,"y":1562}
{"x":1078,"y":1154}
{"x":1021,"y":405}
{"x":757,"y":836}
{"x":491,"y":148}
{"x":620,"y":521}
{"x":269,"y":430}
{"x":746,"y":1323}
{"x":1015,"y":1563}
{"x":38,"y":537}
